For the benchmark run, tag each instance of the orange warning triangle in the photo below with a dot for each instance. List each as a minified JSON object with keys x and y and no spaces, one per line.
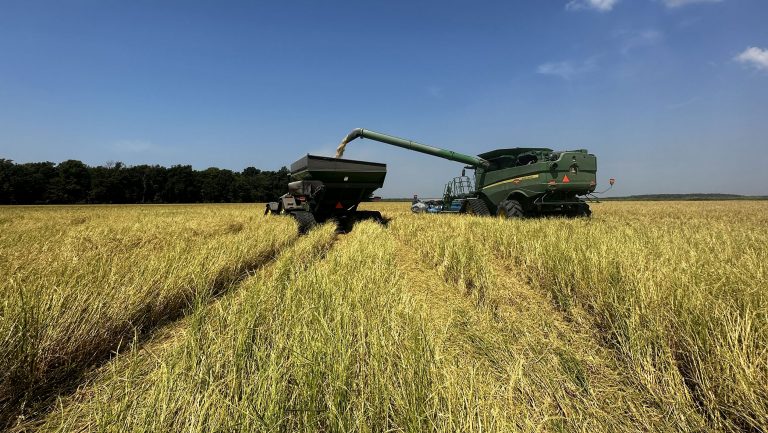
{"x":338,"y":205}
{"x":565,"y":179}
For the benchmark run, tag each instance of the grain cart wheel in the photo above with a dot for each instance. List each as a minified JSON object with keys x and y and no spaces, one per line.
{"x":345,"y":223}
{"x":510,"y":209}
{"x":372,"y":215}
{"x":476,"y":206}
{"x":583,"y":211}
{"x":580,"y":210}
{"x":305,"y":219}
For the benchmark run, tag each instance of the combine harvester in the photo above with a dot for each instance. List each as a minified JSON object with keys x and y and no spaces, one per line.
{"x":509,"y":183}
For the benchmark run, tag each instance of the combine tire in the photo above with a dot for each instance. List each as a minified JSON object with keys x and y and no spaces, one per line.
{"x":476,"y":206}
{"x":510,"y":209}
{"x":305,"y":219}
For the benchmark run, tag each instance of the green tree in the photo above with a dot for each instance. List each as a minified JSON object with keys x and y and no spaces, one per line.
{"x":7,"y":168}
{"x":181,"y":185}
{"x":72,"y":184}
{"x":217,"y":185}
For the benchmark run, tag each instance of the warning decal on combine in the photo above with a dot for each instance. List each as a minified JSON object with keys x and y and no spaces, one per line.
{"x":565,"y":179}
{"x":338,"y":205}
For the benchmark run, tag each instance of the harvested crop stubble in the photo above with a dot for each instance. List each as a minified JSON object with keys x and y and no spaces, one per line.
{"x":83,"y":281}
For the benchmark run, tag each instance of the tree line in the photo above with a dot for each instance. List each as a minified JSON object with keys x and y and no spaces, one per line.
{"x":72,"y":182}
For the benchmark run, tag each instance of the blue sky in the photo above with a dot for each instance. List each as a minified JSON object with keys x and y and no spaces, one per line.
{"x":671,"y":95}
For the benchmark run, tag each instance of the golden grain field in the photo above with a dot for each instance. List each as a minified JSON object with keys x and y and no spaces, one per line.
{"x":650,"y":316}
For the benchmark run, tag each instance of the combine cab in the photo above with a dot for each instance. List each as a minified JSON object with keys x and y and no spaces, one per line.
{"x":330,"y":189}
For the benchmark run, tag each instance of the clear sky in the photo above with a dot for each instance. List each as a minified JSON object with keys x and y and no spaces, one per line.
{"x":671,"y":95}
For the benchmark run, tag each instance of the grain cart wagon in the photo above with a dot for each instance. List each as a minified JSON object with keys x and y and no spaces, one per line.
{"x":324,"y":188}
{"x":509,"y":183}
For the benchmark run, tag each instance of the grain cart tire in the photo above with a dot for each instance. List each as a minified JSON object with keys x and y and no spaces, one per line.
{"x":583,"y":211}
{"x":580,"y":210}
{"x":372,"y":215}
{"x":510,"y":209}
{"x":305,"y":219}
{"x":476,"y":206}
{"x":345,"y":223}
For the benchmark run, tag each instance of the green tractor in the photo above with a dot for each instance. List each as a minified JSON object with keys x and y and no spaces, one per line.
{"x":509,"y":183}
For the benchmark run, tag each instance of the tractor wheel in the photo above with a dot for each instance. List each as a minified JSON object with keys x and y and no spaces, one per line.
{"x":305,"y":219}
{"x":510,"y":209}
{"x":476,"y":206}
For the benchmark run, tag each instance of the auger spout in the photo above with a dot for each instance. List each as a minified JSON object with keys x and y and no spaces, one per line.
{"x":411,"y":145}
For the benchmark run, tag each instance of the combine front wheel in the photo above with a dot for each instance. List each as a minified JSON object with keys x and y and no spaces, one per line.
{"x":510,"y":209}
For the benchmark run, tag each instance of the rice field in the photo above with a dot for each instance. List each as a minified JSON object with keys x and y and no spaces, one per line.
{"x":646,"y":317}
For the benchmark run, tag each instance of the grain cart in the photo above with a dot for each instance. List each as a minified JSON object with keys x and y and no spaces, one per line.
{"x":324,"y":188}
{"x":509,"y":183}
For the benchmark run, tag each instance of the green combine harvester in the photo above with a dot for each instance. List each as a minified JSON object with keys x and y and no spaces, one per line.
{"x":508,"y":183}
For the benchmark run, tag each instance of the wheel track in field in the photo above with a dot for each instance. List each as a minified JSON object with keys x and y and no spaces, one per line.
{"x":151,"y":338}
{"x":551,"y":348}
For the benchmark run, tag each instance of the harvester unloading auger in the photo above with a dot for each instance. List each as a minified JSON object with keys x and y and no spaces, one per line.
{"x":509,"y":183}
